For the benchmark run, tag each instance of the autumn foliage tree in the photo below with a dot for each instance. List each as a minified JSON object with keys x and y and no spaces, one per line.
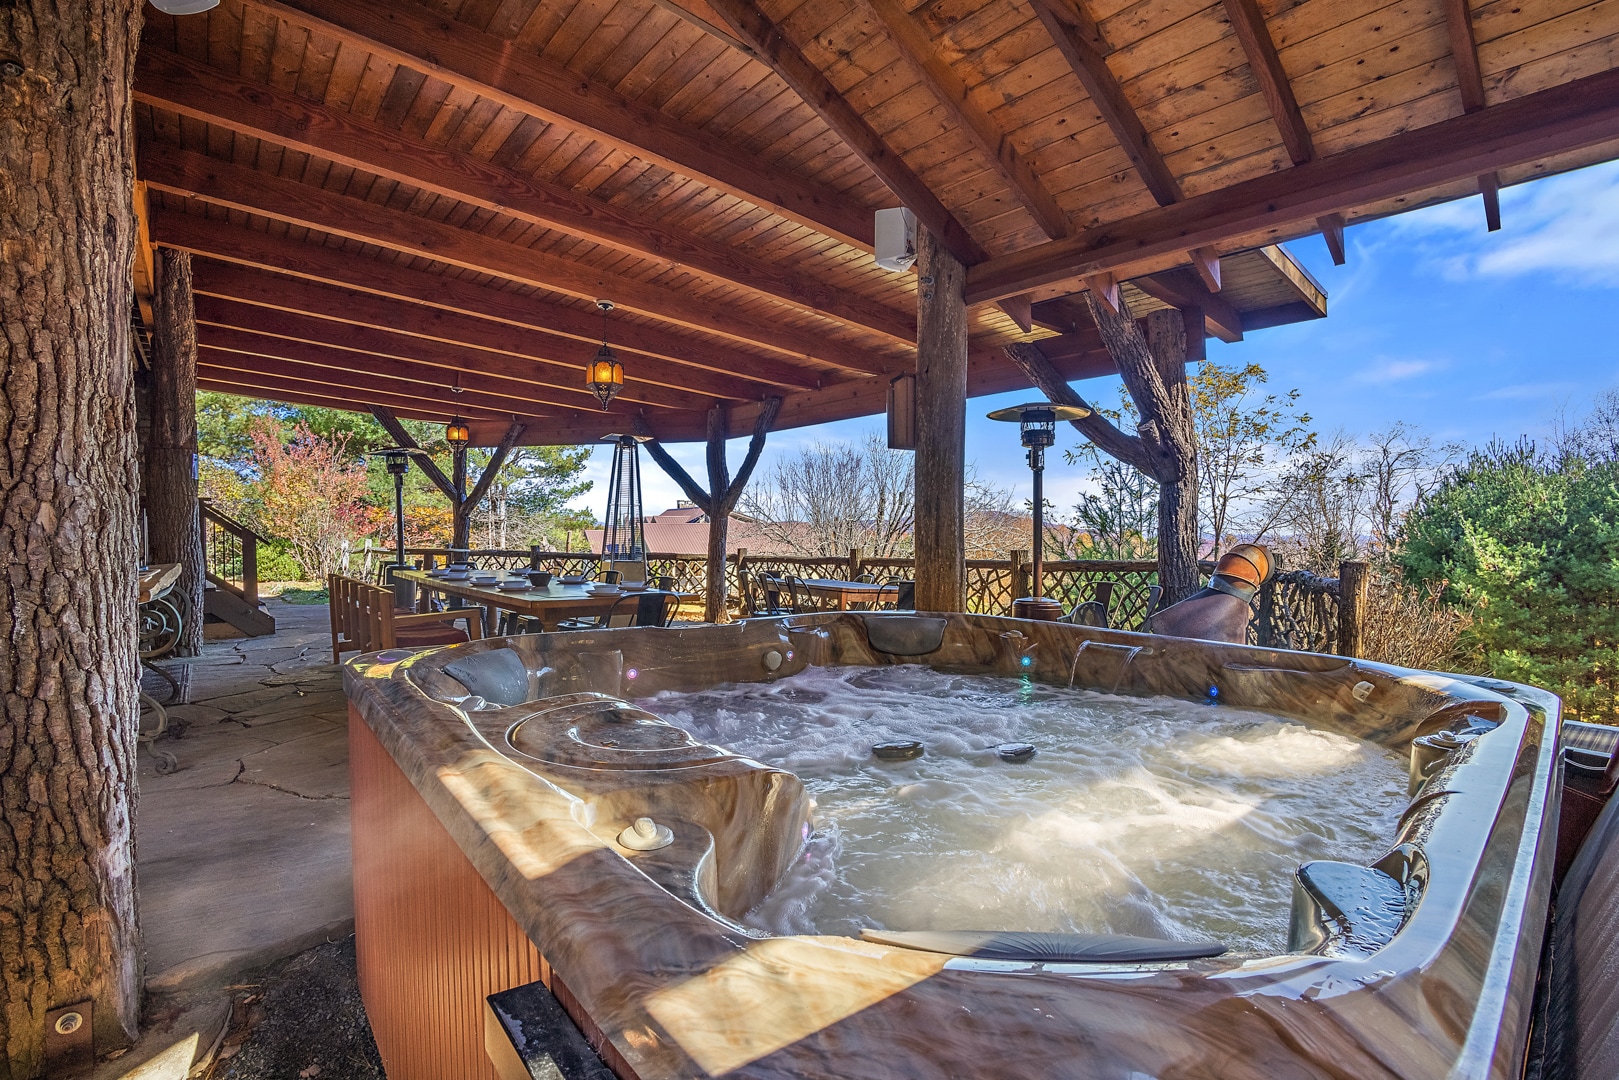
{"x":310,"y":492}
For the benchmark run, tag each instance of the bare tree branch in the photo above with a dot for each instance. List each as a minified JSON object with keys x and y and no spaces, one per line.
{"x":1095,"y":427}
{"x":675,"y":470}
{"x":492,"y":470}
{"x":390,"y":423}
{"x":756,"y":445}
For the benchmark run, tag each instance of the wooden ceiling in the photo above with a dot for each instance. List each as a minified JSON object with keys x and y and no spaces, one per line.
{"x":414,"y":205}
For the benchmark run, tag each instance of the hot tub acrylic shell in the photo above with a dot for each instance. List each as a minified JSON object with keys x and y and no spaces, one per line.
{"x":651,"y":951}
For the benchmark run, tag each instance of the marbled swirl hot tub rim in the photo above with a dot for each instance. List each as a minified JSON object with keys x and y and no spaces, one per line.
{"x":681,"y":991}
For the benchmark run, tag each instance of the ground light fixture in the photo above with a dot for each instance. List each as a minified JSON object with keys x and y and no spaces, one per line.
{"x":605,"y":375}
{"x":1038,"y":431}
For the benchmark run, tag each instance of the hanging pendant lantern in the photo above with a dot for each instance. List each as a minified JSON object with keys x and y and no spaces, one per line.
{"x":457,"y":434}
{"x":605,"y":375}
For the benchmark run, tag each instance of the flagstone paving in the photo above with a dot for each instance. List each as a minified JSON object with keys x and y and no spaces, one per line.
{"x":243,"y":853}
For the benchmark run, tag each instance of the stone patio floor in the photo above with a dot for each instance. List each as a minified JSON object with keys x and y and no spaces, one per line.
{"x":243,"y":853}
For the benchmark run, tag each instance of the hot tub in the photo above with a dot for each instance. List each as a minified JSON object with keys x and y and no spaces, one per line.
{"x":534,"y":757}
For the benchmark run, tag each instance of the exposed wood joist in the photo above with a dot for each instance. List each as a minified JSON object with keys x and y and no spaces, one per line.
{"x":1470,"y":83}
{"x":913,"y":43}
{"x":236,"y":376}
{"x":1083,"y":46}
{"x":436,"y":293}
{"x":1184,"y":290}
{"x":1020,"y":310}
{"x":535,"y":358}
{"x":189,"y":88}
{"x":292,"y":359}
{"x":1249,"y":24}
{"x":1545,"y":124}
{"x":242,"y":188}
{"x":1332,"y":232}
{"x":223,"y":384}
{"x":1206,"y":264}
{"x":490,"y":67}
{"x":788,"y":61}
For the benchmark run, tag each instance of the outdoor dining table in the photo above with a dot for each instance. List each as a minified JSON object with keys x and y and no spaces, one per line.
{"x":549,"y":605}
{"x":849,"y":592}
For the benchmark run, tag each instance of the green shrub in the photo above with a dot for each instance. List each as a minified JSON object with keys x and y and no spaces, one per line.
{"x":1530,"y":543}
{"x":276,"y":562}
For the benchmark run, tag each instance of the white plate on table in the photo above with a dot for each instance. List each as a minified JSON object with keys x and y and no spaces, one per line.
{"x":572,"y":579}
{"x":514,"y":586}
{"x":605,"y":590}
{"x":485,"y":579}
{"x":633,"y":586}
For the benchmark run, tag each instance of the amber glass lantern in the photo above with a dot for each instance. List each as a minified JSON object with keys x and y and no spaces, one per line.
{"x":457,"y":434}
{"x":605,"y":375}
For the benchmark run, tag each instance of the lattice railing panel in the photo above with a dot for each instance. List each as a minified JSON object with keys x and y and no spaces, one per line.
{"x":1296,"y":610}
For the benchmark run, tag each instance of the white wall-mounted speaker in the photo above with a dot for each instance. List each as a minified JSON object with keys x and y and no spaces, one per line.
{"x":896,"y":239}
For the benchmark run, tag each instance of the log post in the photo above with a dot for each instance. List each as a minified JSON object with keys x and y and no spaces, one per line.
{"x":854,"y":564}
{"x":941,"y":427}
{"x":68,"y":526}
{"x":174,"y":529}
{"x":1020,"y":574}
{"x":1354,"y":591}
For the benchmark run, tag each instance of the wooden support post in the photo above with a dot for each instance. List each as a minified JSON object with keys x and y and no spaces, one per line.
{"x":1020,"y":574}
{"x":174,"y":529}
{"x":69,"y":680}
{"x":854,"y":563}
{"x":941,"y":427}
{"x":1354,"y":590}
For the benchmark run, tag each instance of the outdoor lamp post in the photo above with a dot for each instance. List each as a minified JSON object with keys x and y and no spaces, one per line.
{"x":397,"y":459}
{"x":1038,"y":431}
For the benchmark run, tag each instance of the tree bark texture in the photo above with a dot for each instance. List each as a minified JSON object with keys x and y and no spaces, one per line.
{"x":723,"y":492}
{"x":1164,"y":447}
{"x":68,"y":491}
{"x":941,"y":427}
{"x":173,"y":529}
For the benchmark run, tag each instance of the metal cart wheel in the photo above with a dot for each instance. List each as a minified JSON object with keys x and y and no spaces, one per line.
{"x":159,"y":628}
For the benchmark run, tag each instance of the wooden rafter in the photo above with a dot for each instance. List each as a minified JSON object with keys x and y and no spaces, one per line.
{"x":223,"y":384}
{"x":287,"y":304}
{"x":1183,"y":289}
{"x":1470,"y":83}
{"x":1083,"y":46}
{"x":476,"y":62}
{"x":238,"y":378}
{"x":193,"y":89}
{"x":249,"y":190}
{"x":913,"y":43}
{"x":437,"y":296}
{"x":1260,"y":50}
{"x":806,"y":80}
{"x":1533,"y":127}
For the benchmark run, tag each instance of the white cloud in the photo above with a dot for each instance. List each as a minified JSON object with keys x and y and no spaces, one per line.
{"x":1565,"y":226}
{"x":1535,"y":391}
{"x":1383,"y":372}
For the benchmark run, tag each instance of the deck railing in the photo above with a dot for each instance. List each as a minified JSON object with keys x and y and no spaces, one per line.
{"x":1294,"y":610}
{"x":230,"y":553}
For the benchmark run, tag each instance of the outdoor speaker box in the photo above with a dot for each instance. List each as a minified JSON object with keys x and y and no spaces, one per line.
{"x":896,"y":239}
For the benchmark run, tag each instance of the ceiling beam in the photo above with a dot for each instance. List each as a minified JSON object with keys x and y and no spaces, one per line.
{"x":1544,"y":124}
{"x":1183,"y":289}
{"x":246,"y":352}
{"x":1083,"y":46}
{"x":489,"y":347}
{"x":459,"y":297}
{"x":361,"y":346}
{"x":491,"y":67}
{"x":1470,"y":83}
{"x":239,"y":187}
{"x":239,"y":377}
{"x":190,"y":88}
{"x":913,"y":43}
{"x":816,"y":90}
{"x":224,"y":384}
{"x":1249,"y":24}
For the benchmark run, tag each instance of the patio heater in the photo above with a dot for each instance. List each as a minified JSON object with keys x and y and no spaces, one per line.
{"x":624,"y":529}
{"x":397,"y":459}
{"x":1038,"y":430}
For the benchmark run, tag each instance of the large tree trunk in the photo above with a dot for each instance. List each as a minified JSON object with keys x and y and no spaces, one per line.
{"x":174,"y":531}
{"x":68,"y":674}
{"x":941,"y":427}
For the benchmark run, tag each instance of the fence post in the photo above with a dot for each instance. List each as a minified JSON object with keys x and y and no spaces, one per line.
{"x":1020,"y":573}
{"x":1354,"y":579}
{"x":854,"y":564}
{"x":534,"y":556}
{"x":250,"y":568}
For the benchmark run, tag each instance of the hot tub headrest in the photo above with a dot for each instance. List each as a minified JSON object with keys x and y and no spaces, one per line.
{"x":1049,"y":948}
{"x":905,"y":635}
{"x":498,"y":676}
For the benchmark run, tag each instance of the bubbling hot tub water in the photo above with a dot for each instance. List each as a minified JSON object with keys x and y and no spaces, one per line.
{"x":1148,"y":816}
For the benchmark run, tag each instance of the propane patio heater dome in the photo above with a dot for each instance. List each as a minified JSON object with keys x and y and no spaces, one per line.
{"x":1038,"y":430}
{"x":624,"y":530}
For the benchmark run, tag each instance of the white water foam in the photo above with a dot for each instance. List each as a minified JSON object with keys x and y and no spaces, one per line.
{"x":1149,"y":816}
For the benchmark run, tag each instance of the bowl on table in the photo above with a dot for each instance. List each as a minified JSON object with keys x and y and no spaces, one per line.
{"x":572,"y":579}
{"x":605,"y":590}
{"x":516,"y":584}
{"x":539,"y":578}
{"x":632,"y":586}
{"x":484,"y":579}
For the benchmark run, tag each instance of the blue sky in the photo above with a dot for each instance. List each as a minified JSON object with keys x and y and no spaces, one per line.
{"x":1433,"y":321}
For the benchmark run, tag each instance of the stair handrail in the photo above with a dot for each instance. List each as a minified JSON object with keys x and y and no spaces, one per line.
{"x":249,"y":588}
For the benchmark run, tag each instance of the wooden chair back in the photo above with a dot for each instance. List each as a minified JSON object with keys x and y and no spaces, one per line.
{"x":364,"y":619}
